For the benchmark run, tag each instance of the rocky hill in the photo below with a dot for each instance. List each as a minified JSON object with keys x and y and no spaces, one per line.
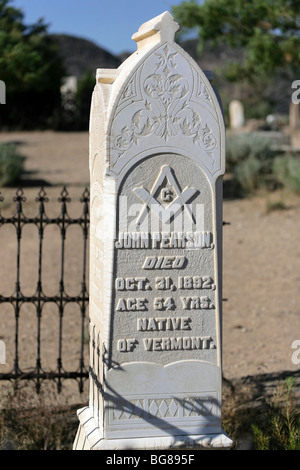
{"x":81,"y":55}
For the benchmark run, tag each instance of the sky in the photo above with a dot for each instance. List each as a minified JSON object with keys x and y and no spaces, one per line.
{"x":108,"y":23}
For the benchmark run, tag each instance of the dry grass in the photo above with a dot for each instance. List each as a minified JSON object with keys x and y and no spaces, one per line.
{"x":36,"y":422}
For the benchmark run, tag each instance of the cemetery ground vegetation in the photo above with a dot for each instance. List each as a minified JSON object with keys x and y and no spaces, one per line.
{"x":281,"y":429}
{"x":36,"y":422}
{"x":11,"y":164}
{"x":262,"y":422}
{"x":253,"y":163}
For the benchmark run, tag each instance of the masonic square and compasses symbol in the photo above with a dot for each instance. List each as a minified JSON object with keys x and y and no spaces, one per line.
{"x":165,"y":199}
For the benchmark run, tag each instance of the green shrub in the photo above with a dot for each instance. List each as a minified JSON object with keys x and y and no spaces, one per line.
{"x":11,"y":164}
{"x":287,"y":171}
{"x":278,"y":205}
{"x":249,"y":159}
{"x":281,"y":429}
{"x":247,"y":174}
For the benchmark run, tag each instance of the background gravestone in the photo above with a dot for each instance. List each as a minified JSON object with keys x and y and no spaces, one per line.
{"x":2,"y":352}
{"x":2,"y":92}
{"x":294,"y":125}
{"x":236,"y":114}
{"x":294,"y":117}
{"x":156,"y":164}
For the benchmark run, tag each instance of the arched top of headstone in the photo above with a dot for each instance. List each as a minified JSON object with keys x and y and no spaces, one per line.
{"x":159,"y":100}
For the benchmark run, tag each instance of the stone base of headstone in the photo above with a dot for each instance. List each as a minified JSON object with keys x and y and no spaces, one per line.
{"x":89,"y":437}
{"x":153,"y":410}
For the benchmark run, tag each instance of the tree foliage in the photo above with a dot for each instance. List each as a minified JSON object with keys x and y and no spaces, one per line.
{"x":75,"y":109}
{"x":83,"y":99}
{"x":31,"y":69}
{"x":268,"y":31}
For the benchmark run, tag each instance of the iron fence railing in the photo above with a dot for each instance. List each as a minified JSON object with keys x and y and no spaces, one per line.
{"x":39,"y":299}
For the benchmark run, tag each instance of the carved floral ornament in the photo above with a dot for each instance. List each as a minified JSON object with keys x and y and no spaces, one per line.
{"x":165,"y":104}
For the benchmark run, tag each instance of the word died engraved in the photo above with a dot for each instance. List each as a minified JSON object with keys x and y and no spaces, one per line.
{"x":164,"y":262}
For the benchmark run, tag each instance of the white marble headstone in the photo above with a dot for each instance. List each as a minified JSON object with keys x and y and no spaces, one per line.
{"x":157,"y":157}
{"x":294,"y":117}
{"x":236,"y":114}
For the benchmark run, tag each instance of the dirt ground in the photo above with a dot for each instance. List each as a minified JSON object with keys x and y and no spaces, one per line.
{"x":261,"y":260}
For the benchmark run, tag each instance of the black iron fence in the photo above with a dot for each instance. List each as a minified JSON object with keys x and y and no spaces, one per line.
{"x":37,"y":372}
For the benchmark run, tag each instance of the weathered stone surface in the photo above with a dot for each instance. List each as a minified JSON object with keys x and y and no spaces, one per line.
{"x":156,"y":163}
